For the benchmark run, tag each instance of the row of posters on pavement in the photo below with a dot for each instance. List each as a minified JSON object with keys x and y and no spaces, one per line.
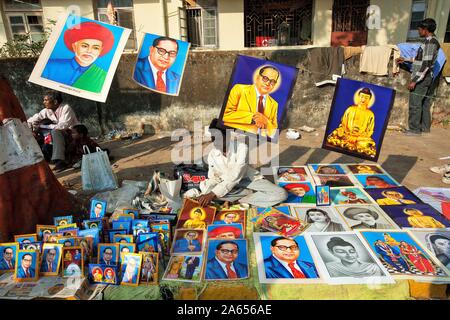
{"x":81,"y":57}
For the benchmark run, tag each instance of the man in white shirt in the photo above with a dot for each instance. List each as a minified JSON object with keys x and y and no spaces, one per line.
{"x":62,"y":118}
{"x":231,"y":179}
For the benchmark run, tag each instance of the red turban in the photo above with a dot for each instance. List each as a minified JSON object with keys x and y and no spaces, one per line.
{"x":219,"y":230}
{"x":89,"y":30}
{"x":297,"y":185}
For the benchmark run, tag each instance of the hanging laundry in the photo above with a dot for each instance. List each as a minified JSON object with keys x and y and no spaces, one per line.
{"x":375,"y":59}
{"x":325,"y":62}
{"x":352,"y":51}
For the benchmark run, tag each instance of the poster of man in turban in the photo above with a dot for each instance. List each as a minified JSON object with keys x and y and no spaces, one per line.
{"x":80,"y":57}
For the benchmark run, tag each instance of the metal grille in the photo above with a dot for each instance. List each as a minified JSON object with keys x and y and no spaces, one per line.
{"x":350,"y":15}
{"x":277,"y":22}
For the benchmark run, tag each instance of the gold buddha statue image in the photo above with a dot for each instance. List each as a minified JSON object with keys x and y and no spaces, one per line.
{"x":357,"y":125}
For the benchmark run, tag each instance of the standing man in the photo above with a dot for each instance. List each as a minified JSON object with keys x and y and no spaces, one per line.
{"x":284,"y":263}
{"x":191,"y":264}
{"x":153,"y":71}
{"x":223,"y":265}
{"x":61,"y":118}
{"x":421,"y":80}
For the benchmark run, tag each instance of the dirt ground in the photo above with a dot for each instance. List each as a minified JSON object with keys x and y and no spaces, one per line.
{"x":406,"y":158}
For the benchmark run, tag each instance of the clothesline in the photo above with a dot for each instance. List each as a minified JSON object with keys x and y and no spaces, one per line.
{"x":400,"y":91}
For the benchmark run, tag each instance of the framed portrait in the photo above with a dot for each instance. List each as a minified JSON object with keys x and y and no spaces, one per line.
{"x":139,"y":223}
{"x":147,"y":242}
{"x":280,"y":223}
{"x":365,"y":168}
{"x":8,"y":253}
{"x":228,"y":231}
{"x":303,"y":193}
{"x":137,"y":230}
{"x":108,"y":254}
{"x":258,"y":96}
{"x":323,"y":219}
{"x":160,"y":64}
{"x":349,"y":195}
{"x":62,"y":220}
{"x":416,"y":216}
{"x":323,"y":196}
{"x":369,"y":181}
{"x":98,"y":209}
{"x":72,"y":232}
{"x":334,"y":180}
{"x":327,"y":168}
{"x":80,"y":57}
{"x":92,"y":223}
{"x":52,"y":237}
{"x":131,"y":269}
{"x":230,"y":216}
{"x":51,"y":259}
{"x":72,"y":262}
{"x":43,"y":229}
{"x":66,"y":227}
{"x":125,"y":248}
{"x":149,"y":271}
{"x":226,"y":260}
{"x":87,"y":243}
{"x":114,"y":232}
{"x":95,"y":235}
{"x":256,"y":215}
{"x":125,"y":217}
{"x":67,"y":241}
{"x":365,"y":217}
{"x":27,"y":266}
{"x":297,"y":174}
{"x":403,"y":256}
{"x":32,"y":246}
{"x":284,"y":260}
{"x":188,"y":241}
{"x":194,"y":216}
{"x":397,"y":196}
{"x":185,"y":268}
{"x":123,"y":238}
{"x":438,"y":198}
{"x":437,"y":241}
{"x":25,"y":238}
{"x":358,"y":118}
{"x":99,"y":273}
{"x":164,"y":236}
{"x":342,"y":258}
{"x":134,"y":212}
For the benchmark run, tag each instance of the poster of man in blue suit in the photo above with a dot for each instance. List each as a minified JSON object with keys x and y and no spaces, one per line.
{"x":160,"y":64}
{"x":284,"y":258}
{"x":26,"y":266}
{"x":51,"y":259}
{"x":188,"y":241}
{"x":227,"y":260}
{"x":7,"y":256}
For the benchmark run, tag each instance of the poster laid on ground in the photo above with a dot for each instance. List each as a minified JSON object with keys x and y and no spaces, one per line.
{"x":80,"y":57}
{"x":258,"y":96}
{"x":342,"y":258}
{"x":358,"y":119}
{"x":160,"y":64}
{"x":284,"y":260}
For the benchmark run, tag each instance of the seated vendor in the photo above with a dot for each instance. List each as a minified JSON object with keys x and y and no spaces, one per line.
{"x":56,"y":118}
{"x":231,"y":179}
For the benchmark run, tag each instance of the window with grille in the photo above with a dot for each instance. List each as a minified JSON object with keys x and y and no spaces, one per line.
{"x":124,"y":17}
{"x":24,"y":19}
{"x":418,"y":13}
{"x":202,"y":27}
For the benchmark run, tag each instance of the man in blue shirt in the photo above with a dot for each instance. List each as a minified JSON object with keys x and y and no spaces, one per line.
{"x":284,"y":263}
{"x":153,"y":71}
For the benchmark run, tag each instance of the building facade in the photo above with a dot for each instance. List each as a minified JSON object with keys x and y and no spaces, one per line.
{"x":241,"y":24}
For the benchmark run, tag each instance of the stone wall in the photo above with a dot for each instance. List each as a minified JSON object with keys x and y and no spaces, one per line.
{"x":202,"y":93}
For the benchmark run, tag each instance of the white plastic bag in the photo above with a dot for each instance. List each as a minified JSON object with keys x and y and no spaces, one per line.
{"x":170,"y":189}
{"x":96,"y":172}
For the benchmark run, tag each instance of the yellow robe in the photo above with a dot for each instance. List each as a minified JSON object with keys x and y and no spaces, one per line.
{"x":241,"y":106}
{"x":424,"y":222}
{"x":390,"y":202}
{"x":194,"y":224}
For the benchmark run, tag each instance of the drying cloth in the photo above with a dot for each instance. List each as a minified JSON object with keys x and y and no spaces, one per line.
{"x":409,"y":51}
{"x":324,"y":62}
{"x":352,"y":51}
{"x":375,"y":59}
